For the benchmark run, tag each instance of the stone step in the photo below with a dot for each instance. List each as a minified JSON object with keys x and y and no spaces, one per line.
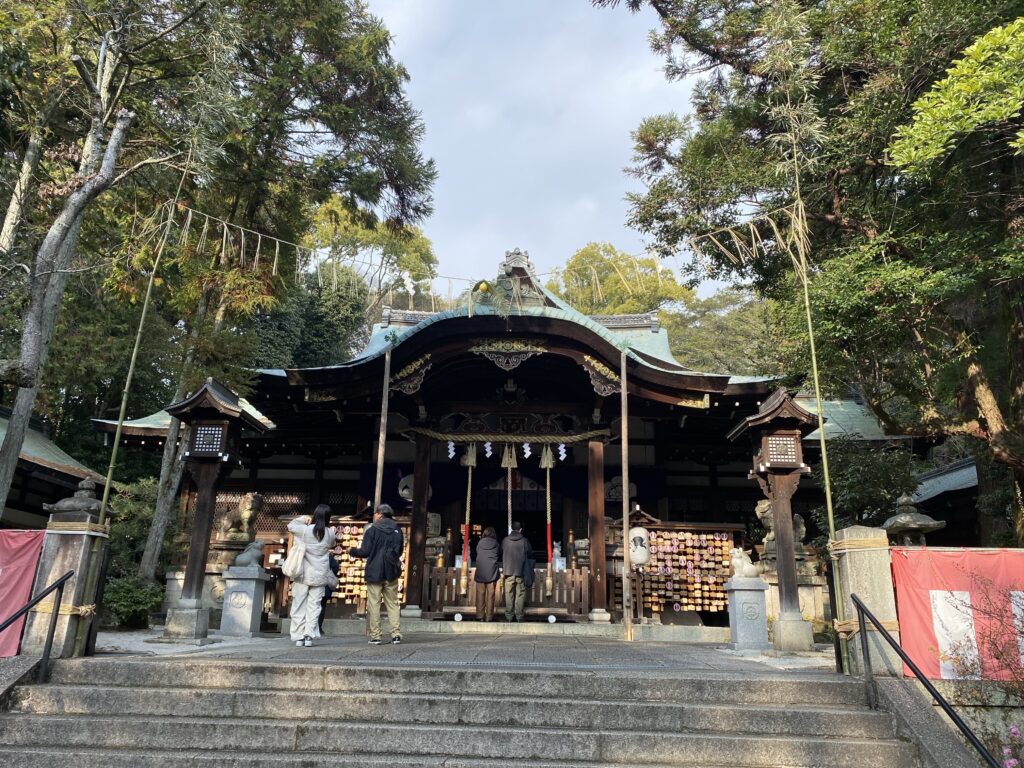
{"x":56,"y":757}
{"x":697,"y":686}
{"x":492,"y":710}
{"x":470,"y":742}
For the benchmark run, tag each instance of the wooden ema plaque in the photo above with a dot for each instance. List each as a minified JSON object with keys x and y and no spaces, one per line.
{"x":687,"y":570}
{"x":351,"y":589}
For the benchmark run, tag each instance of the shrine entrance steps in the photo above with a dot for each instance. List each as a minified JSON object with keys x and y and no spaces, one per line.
{"x":164,"y":713}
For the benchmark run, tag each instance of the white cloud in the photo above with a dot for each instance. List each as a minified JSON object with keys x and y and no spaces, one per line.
{"x":528,"y":106}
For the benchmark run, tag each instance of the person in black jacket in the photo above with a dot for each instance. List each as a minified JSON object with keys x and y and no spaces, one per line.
{"x":486,"y":576}
{"x":515,"y":551}
{"x":382,"y":548}
{"x":333,"y":565}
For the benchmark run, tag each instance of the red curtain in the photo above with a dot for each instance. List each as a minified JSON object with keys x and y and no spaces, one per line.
{"x":961,"y":612}
{"x":19,"y":554}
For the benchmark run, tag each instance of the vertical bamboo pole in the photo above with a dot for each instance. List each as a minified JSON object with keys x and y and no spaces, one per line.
{"x":383,"y":433}
{"x":627,"y":591}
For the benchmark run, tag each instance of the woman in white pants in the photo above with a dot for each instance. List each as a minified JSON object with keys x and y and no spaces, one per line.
{"x":308,"y":592}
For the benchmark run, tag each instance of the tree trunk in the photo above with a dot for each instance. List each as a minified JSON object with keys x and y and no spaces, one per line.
{"x":48,"y":280}
{"x":26,"y":178}
{"x":171,"y":470}
{"x":172,"y":465}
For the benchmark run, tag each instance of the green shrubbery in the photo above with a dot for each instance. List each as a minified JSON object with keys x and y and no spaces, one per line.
{"x":127,"y":598}
{"x":130,"y":599}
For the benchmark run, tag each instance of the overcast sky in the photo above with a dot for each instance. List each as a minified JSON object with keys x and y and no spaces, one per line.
{"x":528,"y":106}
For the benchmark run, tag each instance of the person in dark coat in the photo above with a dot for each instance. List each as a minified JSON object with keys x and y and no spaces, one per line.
{"x":486,"y":576}
{"x":382,"y":548}
{"x":515,"y":551}
{"x":333,"y":564}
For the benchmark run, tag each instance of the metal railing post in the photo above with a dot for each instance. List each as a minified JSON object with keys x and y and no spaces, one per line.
{"x":862,"y":612}
{"x":869,"y":674}
{"x":44,"y":667}
{"x":58,"y":586}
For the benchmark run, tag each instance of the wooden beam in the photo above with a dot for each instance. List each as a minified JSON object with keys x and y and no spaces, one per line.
{"x":418,"y":524}
{"x":595,"y":525}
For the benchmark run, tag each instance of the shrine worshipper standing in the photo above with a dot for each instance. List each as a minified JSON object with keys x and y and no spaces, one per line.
{"x":317,"y":576}
{"x":486,"y":575}
{"x":515,"y":552}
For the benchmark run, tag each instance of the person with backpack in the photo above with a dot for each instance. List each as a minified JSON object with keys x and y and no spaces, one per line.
{"x":382,"y":549}
{"x":312,"y":533}
{"x":516,"y":552}
{"x":486,"y":575}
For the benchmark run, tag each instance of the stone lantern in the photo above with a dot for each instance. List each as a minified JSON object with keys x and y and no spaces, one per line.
{"x":776,"y":431}
{"x":908,"y":527}
{"x":215,"y":417}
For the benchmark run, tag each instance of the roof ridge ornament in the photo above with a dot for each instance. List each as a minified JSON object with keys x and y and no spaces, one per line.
{"x":516,"y":258}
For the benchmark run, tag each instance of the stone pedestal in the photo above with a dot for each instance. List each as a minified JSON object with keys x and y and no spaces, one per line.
{"x":243,"y":600}
{"x":748,"y":622}
{"x":66,"y":547}
{"x":865,"y":570}
{"x":187,"y":622}
{"x":791,"y":633}
{"x":599,"y":616}
{"x":812,"y":592}
{"x":411,"y":611}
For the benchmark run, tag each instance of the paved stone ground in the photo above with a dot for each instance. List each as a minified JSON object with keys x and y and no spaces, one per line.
{"x":504,"y":651}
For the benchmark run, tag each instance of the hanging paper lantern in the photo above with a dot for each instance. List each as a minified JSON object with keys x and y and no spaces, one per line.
{"x":639,"y":546}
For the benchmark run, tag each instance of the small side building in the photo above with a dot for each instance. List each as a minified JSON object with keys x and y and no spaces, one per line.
{"x":45,"y":474}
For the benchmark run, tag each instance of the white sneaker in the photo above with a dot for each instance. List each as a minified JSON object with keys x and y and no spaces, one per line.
{"x":308,"y":642}
{"x":298,"y":643}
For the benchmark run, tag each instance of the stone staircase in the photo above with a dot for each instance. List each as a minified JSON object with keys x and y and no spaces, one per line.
{"x":149,"y":713}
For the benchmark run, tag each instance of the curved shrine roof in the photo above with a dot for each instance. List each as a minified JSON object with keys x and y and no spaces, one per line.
{"x":517,"y":293}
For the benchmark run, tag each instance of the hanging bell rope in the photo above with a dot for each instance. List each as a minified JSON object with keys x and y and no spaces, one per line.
{"x":468,"y":461}
{"x":547,"y":461}
{"x":508,"y":462}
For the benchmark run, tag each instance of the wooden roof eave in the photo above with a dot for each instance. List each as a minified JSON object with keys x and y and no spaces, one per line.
{"x":443,"y":341}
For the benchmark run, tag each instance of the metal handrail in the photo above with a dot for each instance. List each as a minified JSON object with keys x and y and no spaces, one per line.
{"x":872,"y":686}
{"x":58,"y":585}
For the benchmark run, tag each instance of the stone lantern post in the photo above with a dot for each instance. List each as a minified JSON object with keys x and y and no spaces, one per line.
{"x":776,"y":431}
{"x":216,"y":417}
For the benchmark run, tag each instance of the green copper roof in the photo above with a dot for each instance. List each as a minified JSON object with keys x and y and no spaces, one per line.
{"x":844,"y":418}
{"x":640,"y":335}
{"x":39,"y":449}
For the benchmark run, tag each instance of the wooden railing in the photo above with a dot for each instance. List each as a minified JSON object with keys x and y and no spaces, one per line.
{"x":569,"y":599}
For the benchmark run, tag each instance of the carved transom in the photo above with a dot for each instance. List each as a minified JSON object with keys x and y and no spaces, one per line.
{"x":604,"y":379}
{"x":410,"y":379}
{"x":507,"y":354}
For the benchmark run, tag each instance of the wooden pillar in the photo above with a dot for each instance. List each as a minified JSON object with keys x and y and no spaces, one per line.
{"x":418,"y":526}
{"x":382,"y":436}
{"x":568,"y":524}
{"x":782,"y":488}
{"x":205,"y":474}
{"x":595,"y":531}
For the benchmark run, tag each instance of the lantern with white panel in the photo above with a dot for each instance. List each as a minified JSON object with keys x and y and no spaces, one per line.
{"x":777,"y":431}
{"x":215,"y":416}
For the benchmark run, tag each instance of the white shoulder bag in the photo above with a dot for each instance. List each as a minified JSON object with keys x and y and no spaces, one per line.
{"x":294,"y":565}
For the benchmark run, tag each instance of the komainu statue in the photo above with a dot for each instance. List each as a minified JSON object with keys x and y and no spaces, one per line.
{"x":240,"y":525}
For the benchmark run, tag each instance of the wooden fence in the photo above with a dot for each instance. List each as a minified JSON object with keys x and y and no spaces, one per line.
{"x":569,"y":599}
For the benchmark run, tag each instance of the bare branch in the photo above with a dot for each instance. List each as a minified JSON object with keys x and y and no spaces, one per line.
{"x":85,"y":75}
{"x":163,"y":33}
{"x":143,"y":163}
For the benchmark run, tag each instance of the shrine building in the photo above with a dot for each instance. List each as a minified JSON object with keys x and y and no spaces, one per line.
{"x":508,"y":407}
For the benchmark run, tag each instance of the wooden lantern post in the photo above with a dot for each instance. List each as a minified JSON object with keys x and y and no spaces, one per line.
{"x":216,"y":418}
{"x":777,"y":431}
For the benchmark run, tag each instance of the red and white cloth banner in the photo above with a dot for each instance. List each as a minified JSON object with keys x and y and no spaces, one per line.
{"x":961,"y":611}
{"x":19,"y":554}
